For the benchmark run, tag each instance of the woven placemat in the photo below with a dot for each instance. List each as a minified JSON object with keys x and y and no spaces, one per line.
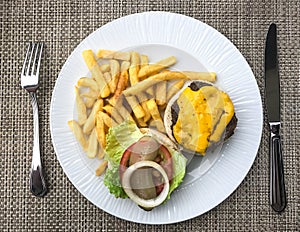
{"x":62,"y":24}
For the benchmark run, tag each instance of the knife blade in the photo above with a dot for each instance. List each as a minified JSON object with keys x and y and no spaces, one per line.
{"x":272,"y":92}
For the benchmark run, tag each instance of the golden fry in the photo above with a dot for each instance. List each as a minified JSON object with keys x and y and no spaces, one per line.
{"x":109,"y":54}
{"x":141,"y":122}
{"x":108,"y":121}
{"x":117,"y":116}
{"x":105,"y":54}
{"x":134,"y":68}
{"x":153,"y":109}
{"x":206,"y":76}
{"x":81,"y":108}
{"x":89,"y":102}
{"x":122,"y":56}
{"x":113,"y":112}
{"x":90,"y":122}
{"x":115,"y":74}
{"x":165,"y":76}
{"x":105,"y":68}
{"x":123,"y":82}
{"x":100,"y":131}
{"x":93,"y":66}
{"x":101,"y":168}
{"x":147,"y":114}
{"x":161,"y":93}
{"x":88,"y":82}
{"x":101,"y":153}
{"x":92,"y":145}
{"x":174,"y":88}
{"x":157,"y":67}
{"x":142,"y":97}
{"x":77,"y":131}
{"x":108,"y":79}
{"x":136,"y":107}
{"x":122,"y":110}
{"x":91,"y":94}
{"x":150,"y":91}
{"x":108,"y":109}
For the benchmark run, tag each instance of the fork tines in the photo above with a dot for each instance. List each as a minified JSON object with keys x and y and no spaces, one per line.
{"x":31,"y":65}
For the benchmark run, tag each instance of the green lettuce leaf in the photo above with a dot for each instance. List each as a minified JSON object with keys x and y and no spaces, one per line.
{"x":179,"y":164}
{"x":112,"y":182}
{"x":118,"y":139}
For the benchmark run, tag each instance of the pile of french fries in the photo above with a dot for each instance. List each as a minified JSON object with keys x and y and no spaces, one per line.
{"x":123,"y":86}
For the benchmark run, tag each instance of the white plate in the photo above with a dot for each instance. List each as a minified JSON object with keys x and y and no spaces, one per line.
{"x":198,"y":47}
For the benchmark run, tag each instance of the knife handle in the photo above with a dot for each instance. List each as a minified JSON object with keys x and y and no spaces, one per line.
{"x":277,"y":187}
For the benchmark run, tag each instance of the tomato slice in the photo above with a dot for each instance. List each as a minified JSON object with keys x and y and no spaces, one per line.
{"x":166,"y":163}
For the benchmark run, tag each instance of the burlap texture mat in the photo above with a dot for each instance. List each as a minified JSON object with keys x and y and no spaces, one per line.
{"x":62,"y":25}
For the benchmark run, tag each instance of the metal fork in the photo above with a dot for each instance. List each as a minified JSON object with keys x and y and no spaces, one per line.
{"x":30,"y":82}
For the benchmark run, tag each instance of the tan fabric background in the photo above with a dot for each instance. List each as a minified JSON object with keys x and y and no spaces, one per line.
{"x":62,"y":25}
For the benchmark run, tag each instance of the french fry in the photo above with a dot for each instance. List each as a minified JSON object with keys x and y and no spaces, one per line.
{"x":136,"y":107}
{"x":88,"y":82}
{"x":93,"y":66}
{"x":165,"y":76}
{"x":206,"y":76}
{"x":153,"y":109}
{"x":122,"y":109}
{"x":161,"y":93}
{"x":142,"y":97}
{"x":100,"y":131}
{"x":108,"y":79}
{"x":122,"y":56}
{"x":78,"y":133}
{"x":81,"y":108}
{"x":157,"y":67}
{"x":109,"y":54}
{"x":92,"y":149}
{"x":108,"y":109}
{"x":117,"y":116}
{"x":101,"y":168}
{"x":174,"y":88}
{"x":150,"y":91}
{"x":105,"y":54}
{"x":108,"y":121}
{"x":101,"y":153}
{"x":89,"y":102}
{"x":147,"y":113}
{"x":123,"y":82}
{"x":144,"y":61}
{"x":115,"y":74}
{"x":113,"y":113}
{"x":91,"y":94}
{"x":141,"y":122}
{"x":90,"y":122}
{"x":105,"y":68}
{"x":134,"y":68}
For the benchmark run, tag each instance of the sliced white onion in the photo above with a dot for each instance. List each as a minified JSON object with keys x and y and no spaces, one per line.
{"x":150,"y":203}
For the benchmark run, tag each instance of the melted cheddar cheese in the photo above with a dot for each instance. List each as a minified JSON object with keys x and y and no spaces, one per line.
{"x":202,"y":118}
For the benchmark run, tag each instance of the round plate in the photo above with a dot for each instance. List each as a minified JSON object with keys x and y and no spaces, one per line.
{"x":198,"y":47}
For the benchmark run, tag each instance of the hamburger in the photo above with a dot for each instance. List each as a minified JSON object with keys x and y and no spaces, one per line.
{"x":144,"y":165}
{"x":200,"y":117}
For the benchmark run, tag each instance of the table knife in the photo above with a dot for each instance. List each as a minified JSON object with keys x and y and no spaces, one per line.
{"x":272,"y":92}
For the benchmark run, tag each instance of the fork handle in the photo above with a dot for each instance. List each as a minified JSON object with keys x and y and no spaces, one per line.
{"x":37,"y":181}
